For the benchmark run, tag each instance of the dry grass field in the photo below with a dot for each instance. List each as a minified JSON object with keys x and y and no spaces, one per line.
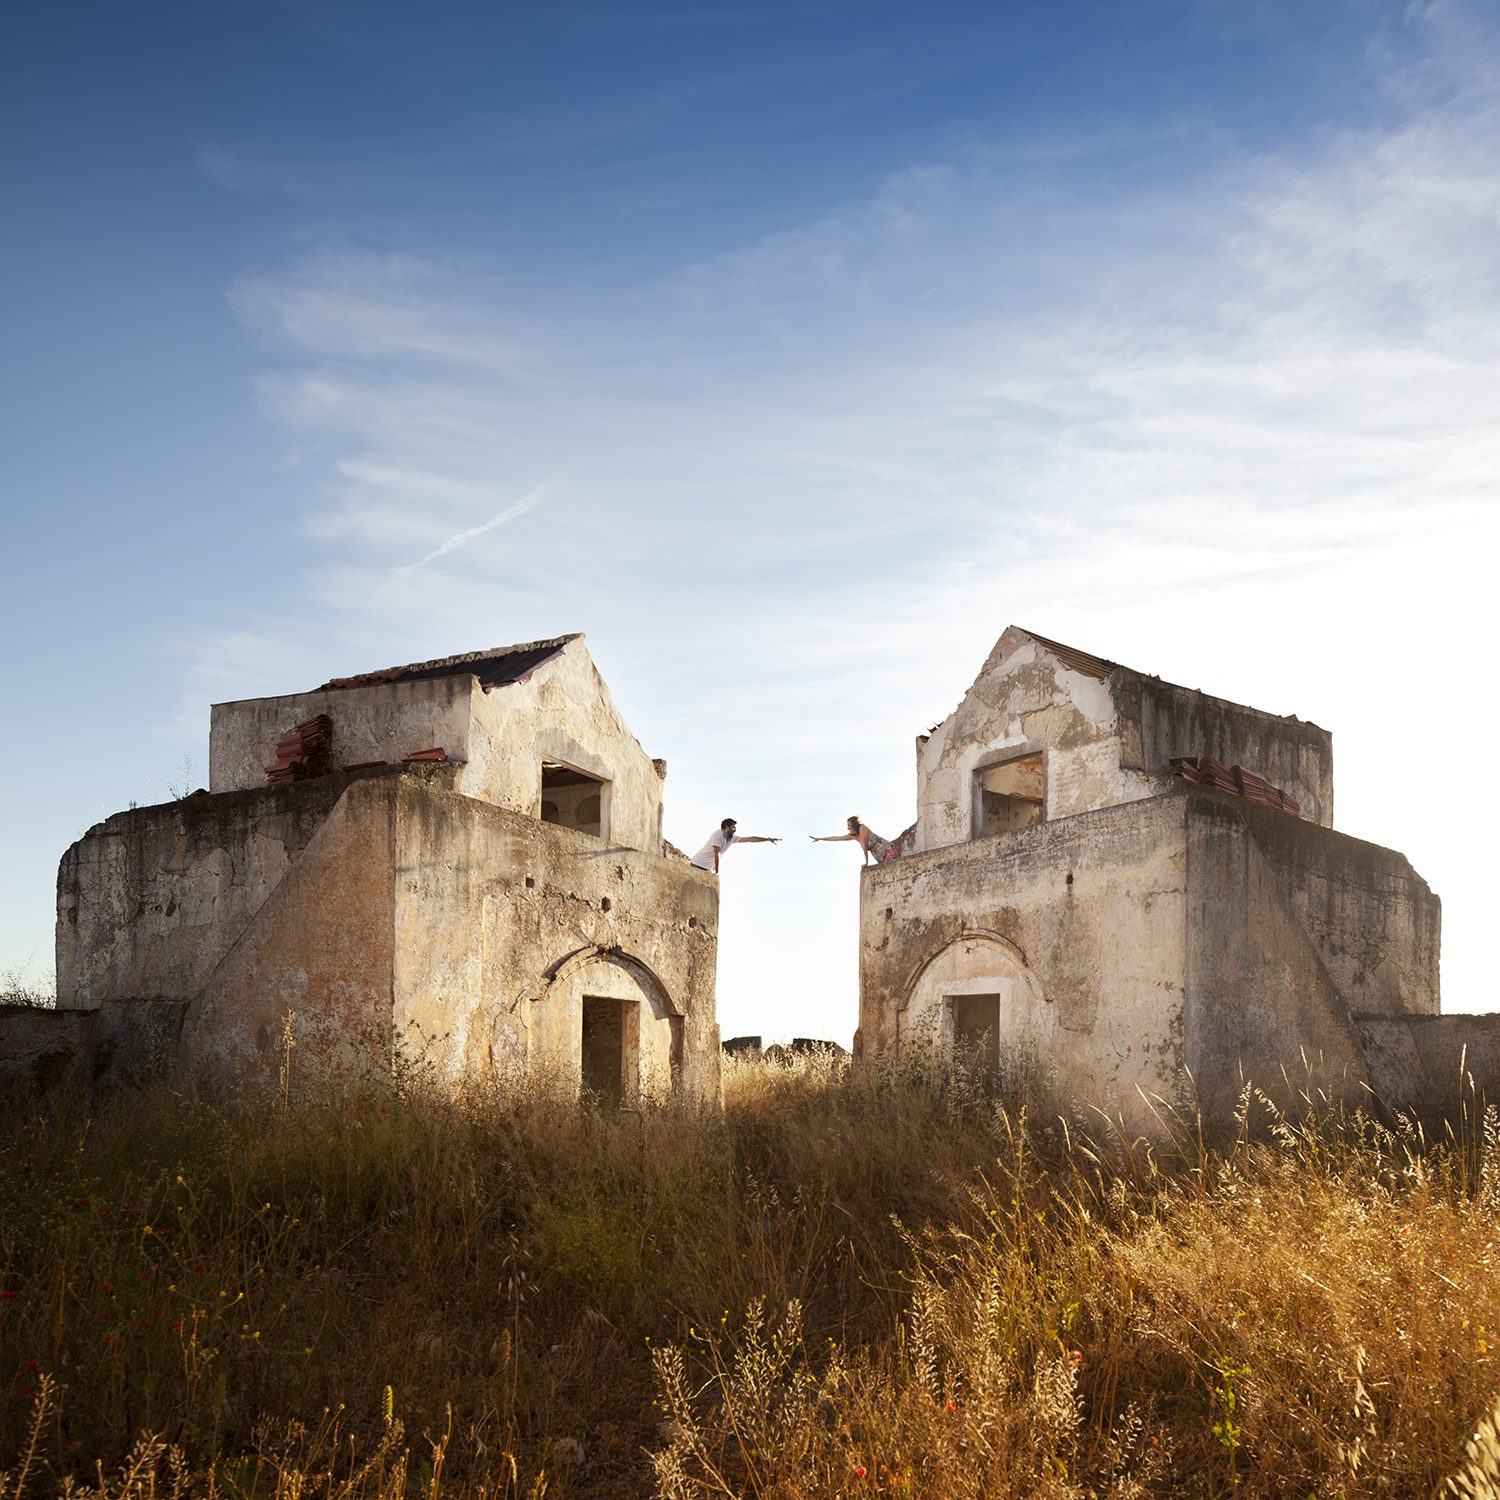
{"x":884,"y":1285}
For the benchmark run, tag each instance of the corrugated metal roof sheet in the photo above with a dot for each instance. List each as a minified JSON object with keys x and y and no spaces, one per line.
{"x":1074,"y":659}
{"x":497,"y":667}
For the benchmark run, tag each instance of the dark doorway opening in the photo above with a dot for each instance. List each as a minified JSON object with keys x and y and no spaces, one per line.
{"x":976,"y":1030}
{"x":610,"y":1047}
{"x":572,"y":799}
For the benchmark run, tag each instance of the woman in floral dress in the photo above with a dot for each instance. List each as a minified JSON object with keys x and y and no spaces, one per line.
{"x":877,"y":850}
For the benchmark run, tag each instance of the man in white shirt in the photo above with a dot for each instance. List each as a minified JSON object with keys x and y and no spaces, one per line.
{"x":707,"y":858}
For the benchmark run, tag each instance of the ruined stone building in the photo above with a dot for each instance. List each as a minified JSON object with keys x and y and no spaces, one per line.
{"x":465,"y":853}
{"x":1132,"y":892}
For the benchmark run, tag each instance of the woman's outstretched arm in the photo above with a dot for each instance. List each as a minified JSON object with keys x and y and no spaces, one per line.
{"x":832,"y":838}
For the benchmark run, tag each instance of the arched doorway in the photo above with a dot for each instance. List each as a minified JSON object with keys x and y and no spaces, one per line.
{"x":977,"y":992}
{"x":606,"y":1024}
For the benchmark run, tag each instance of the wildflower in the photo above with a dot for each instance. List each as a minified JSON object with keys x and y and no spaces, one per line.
{"x":108,"y":1286}
{"x":7,"y":1295}
{"x":81,"y":1203}
{"x":860,"y":1471}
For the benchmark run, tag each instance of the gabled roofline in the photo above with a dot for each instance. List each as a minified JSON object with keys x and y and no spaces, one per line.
{"x":435,"y":667}
{"x":1072,"y":658}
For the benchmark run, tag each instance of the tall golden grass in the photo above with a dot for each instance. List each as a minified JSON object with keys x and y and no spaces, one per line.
{"x":885,"y":1284}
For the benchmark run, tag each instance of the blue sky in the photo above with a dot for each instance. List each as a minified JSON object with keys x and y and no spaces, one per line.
{"x":805,"y":346}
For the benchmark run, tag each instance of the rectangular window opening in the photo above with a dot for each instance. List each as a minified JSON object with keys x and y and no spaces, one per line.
{"x":573,"y":799}
{"x":1011,"y":796}
{"x":976,"y":1031}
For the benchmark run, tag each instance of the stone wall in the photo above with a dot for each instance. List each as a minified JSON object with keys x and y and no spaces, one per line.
{"x":498,"y":739}
{"x":385,"y":898}
{"x":1079,"y":924}
{"x":1261,"y":1006}
{"x":1101,"y":740}
{"x":1431,"y":1067}
{"x":151,"y":900}
{"x":1025,"y":701}
{"x":505,"y":924}
{"x":1168,"y":721}
{"x":1171,"y":948}
{"x":123,"y":1042}
{"x":1376,"y":924}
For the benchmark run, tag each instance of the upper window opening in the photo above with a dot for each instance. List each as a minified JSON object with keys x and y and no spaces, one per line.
{"x":1011,"y":795}
{"x":572,"y":799}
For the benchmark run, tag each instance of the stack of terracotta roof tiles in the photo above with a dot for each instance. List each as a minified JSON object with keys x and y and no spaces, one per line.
{"x":1206,"y":771}
{"x":306,"y":752}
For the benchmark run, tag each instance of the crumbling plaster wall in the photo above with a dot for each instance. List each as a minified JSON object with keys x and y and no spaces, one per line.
{"x":150,"y":900}
{"x":1200,"y":942}
{"x":1161,"y":721}
{"x":1103,"y":742}
{"x":504,"y":924}
{"x":1433,"y":1066}
{"x":316,"y":959}
{"x":1262,"y":1007}
{"x":1024,"y":701}
{"x":1086,"y":913}
{"x":382,"y":722}
{"x":394,"y":900}
{"x":122,"y":1042}
{"x":563,"y":711}
{"x":1375,"y":923}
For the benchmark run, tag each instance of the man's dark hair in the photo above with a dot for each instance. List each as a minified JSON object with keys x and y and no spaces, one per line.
{"x":729,"y":823}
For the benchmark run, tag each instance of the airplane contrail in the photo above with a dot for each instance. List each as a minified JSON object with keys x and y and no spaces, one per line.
{"x":498,"y":519}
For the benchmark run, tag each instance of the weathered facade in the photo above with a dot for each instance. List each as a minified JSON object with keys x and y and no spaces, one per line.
{"x":1123,"y":936}
{"x":505,"y":905}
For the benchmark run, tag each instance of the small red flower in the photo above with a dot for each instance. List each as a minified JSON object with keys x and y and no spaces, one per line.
{"x":860,"y":1472}
{"x":177,"y":1328}
{"x":81,"y":1203}
{"x":198,"y":1268}
{"x":953,"y":1406}
{"x":7,"y":1295}
{"x":109,"y":1286}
